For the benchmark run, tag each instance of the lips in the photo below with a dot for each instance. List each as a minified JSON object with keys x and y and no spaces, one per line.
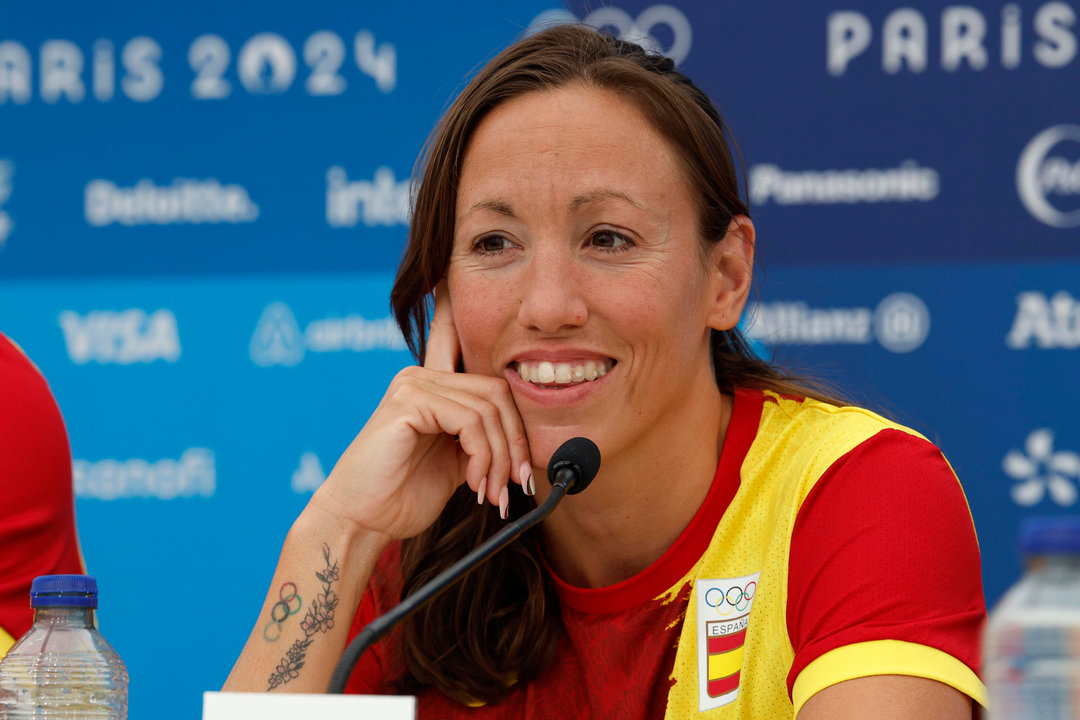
{"x":562,"y":374}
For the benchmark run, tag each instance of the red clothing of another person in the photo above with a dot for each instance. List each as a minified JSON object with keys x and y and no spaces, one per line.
{"x":37,"y":514}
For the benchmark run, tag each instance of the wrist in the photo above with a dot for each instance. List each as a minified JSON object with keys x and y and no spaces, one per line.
{"x":325,"y":520}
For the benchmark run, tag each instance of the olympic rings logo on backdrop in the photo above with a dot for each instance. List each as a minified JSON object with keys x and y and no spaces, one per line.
{"x":734,"y":600}
{"x":637,"y":30}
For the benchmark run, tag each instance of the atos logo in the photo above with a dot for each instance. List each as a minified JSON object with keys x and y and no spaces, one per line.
{"x":121,"y":338}
{"x":1040,"y":470}
{"x":1048,"y":177}
{"x":1045,"y":322}
{"x":640,"y":30}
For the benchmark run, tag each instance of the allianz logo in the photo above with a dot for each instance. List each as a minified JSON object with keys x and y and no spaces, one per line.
{"x":192,"y":475}
{"x":278,"y":340}
{"x":381,"y":201}
{"x":1048,"y":176}
{"x":908,"y":182}
{"x":121,"y":337}
{"x":183,"y":202}
{"x":624,"y":26}
{"x":900,"y":323}
{"x":7,"y":170}
{"x":1040,"y":471}
{"x":1045,"y":322}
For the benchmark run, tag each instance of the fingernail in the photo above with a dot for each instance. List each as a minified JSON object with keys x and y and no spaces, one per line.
{"x":481,"y":490}
{"x":504,"y":503}
{"x":527,"y":479}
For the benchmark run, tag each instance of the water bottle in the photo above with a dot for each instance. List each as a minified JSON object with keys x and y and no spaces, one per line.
{"x":1031,"y":645}
{"x":62,"y":667}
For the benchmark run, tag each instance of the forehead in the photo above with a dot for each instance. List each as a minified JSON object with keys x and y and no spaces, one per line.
{"x":569,"y":140}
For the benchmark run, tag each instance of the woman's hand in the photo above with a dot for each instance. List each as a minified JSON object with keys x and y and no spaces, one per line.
{"x":433,"y":430}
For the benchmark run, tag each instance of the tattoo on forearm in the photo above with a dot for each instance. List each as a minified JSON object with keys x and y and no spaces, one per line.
{"x":281,"y":611}
{"x":319,"y":619}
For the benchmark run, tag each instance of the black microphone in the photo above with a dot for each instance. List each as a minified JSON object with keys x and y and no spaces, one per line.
{"x":571,"y":469}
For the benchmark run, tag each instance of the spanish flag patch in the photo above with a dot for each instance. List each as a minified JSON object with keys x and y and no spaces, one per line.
{"x":723,"y":615}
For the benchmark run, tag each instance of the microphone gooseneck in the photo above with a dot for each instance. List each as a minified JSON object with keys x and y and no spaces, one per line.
{"x":571,"y":469}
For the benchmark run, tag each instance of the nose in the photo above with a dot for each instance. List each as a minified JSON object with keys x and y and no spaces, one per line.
{"x":552,"y":293}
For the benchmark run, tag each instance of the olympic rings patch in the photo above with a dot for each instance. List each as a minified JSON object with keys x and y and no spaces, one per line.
{"x":281,"y":610}
{"x":734,"y":599}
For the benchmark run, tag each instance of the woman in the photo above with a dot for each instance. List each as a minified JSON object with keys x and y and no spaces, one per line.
{"x":745,"y":549}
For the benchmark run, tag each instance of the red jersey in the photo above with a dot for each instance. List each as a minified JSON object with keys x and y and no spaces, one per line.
{"x":832,"y":545}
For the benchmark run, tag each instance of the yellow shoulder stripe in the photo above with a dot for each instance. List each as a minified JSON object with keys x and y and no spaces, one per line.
{"x":885,"y":657}
{"x":6,"y":641}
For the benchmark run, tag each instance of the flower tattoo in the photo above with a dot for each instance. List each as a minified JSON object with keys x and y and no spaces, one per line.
{"x":319,"y":619}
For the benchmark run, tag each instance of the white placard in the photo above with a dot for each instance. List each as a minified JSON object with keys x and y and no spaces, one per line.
{"x":284,"y":706}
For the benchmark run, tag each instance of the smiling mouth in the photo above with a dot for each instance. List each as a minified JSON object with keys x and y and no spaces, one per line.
{"x":559,"y":375}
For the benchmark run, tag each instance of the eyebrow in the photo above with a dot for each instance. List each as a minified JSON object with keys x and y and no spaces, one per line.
{"x":506,"y":209}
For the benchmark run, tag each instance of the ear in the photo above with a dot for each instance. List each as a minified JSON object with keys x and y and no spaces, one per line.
{"x":731,"y":268}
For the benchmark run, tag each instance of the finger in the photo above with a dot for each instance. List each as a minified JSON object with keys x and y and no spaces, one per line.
{"x":499,"y":468}
{"x":438,"y":414}
{"x":443,"y":347}
{"x":512,"y":431}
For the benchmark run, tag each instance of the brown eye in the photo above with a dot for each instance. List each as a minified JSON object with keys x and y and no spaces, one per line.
{"x":491,"y":244}
{"x":610,"y":240}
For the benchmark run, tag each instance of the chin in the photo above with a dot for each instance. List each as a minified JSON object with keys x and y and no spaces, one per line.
{"x":543,"y":442}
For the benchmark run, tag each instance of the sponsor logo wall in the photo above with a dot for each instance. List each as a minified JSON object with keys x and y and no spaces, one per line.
{"x":201,"y":211}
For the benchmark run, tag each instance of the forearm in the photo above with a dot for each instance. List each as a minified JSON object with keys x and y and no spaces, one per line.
{"x":304,"y":622}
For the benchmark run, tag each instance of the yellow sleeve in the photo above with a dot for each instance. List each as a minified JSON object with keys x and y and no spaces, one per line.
{"x":885,"y":657}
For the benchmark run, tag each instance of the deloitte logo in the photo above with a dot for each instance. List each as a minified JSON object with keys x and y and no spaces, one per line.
{"x":1049,"y":184}
{"x":278,"y":340}
{"x":900,"y":323}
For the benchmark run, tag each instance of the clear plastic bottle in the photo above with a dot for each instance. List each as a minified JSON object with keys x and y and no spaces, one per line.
{"x":1031,"y":645}
{"x":62,"y":667}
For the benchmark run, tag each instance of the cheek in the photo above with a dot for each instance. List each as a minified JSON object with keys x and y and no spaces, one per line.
{"x":480,"y":315}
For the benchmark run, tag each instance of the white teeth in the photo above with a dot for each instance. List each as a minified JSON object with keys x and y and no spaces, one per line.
{"x":549,"y":373}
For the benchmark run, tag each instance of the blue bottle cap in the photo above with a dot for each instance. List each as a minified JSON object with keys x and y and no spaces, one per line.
{"x":1058,"y":535}
{"x":64,"y":591}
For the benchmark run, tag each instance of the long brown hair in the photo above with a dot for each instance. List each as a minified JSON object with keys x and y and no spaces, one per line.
{"x":501,"y":624}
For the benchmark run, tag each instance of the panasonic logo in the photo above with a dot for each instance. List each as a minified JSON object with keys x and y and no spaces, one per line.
{"x":909,"y":182}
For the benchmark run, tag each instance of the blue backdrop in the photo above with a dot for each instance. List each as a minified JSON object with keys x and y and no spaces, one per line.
{"x":201,"y":207}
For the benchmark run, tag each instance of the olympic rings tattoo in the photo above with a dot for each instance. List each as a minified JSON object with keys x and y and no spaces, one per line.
{"x":281,"y":611}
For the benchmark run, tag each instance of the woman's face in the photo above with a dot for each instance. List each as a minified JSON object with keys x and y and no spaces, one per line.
{"x":577,"y":271}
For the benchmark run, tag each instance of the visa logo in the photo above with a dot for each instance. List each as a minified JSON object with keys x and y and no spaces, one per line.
{"x":121,"y":337}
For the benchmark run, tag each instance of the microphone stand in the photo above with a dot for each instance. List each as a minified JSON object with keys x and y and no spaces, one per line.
{"x":564,"y":479}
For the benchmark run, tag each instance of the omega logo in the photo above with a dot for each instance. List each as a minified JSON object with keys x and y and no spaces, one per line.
{"x":1041,"y":176}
